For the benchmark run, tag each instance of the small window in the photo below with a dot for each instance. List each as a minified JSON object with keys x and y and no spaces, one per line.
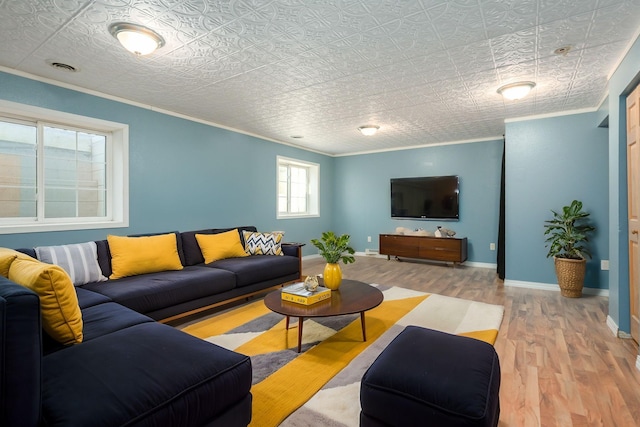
{"x":298,"y":188}
{"x":60,"y":171}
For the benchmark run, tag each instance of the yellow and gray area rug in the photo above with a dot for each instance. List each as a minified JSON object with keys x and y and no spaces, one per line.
{"x":321,"y":385}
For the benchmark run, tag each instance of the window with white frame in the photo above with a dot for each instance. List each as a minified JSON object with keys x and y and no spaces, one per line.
{"x":60,"y":171}
{"x":298,"y":188}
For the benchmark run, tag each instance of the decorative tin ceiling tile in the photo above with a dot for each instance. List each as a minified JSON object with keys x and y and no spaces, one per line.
{"x":426,"y":72}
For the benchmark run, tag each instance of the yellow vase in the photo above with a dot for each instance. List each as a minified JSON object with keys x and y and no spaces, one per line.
{"x":332,"y":276}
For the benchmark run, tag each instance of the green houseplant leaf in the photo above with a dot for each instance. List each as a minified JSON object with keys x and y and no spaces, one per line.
{"x":334,"y":248}
{"x":568,"y":232}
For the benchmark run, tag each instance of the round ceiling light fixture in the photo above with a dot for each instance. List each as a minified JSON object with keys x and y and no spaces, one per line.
{"x":517,"y":90}
{"x":136,"y":38}
{"x":368,"y":130}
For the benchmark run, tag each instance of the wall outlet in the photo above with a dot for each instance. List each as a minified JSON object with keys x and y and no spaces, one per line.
{"x":368,"y":238}
{"x":492,"y":246}
{"x":604,"y":264}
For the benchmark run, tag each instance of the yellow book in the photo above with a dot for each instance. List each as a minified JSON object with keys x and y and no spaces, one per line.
{"x":298,"y":294}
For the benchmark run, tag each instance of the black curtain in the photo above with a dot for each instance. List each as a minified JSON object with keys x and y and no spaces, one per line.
{"x":501,"y":237}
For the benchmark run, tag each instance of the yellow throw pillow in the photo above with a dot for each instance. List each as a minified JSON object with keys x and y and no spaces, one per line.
{"x":61,"y":315}
{"x":131,"y":256}
{"x":6,"y":258}
{"x":220,"y":246}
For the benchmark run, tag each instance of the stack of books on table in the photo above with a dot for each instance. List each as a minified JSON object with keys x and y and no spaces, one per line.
{"x":298,"y":294}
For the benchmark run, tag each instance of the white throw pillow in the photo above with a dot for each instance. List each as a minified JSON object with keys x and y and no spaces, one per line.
{"x":79,"y":260}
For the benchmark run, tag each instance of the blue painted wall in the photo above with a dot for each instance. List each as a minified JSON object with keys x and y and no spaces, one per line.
{"x":363,"y":202}
{"x":184,"y":175}
{"x":549,"y":163}
{"x":194,"y":195}
{"x":622,"y":82}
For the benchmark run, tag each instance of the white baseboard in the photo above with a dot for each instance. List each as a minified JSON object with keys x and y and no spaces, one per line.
{"x":553,"y":287}
{"x":362,"y":254}
{"x":480,"y":264}
{"x":595,"y":291}
{"x":376,"y":254}
{"x":623,"y":334}
{"x":372,"y":253}
{"x":613,"y":326}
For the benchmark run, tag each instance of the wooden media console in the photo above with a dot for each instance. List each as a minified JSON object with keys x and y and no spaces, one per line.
{"x":447,"y":249}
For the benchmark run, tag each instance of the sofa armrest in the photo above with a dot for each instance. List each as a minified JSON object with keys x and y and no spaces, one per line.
{"x":20,"y":355}
{"x":294,"y":249}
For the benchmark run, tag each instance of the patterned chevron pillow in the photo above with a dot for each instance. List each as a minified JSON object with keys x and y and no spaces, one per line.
{"x":262,"y":243}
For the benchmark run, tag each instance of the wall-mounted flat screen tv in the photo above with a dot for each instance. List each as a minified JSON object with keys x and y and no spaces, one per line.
{"x":432,"y":197}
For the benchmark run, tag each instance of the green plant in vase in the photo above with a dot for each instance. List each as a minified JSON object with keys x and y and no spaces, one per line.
{"x":568,"y":234}
{"x":334,"y":249}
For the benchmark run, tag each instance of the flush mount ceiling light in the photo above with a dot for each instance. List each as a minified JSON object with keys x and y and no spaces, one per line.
{"x":368,"y":130}
{"x":515,"y":91}
{"x":136,"y":38}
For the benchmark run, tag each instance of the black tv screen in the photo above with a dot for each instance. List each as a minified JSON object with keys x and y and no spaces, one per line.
{"x":433,"y":197}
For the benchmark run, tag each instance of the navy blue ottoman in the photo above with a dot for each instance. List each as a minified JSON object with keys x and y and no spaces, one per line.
{"x":431,"y":378}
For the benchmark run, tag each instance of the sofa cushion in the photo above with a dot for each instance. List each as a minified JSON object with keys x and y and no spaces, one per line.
{"x":254,"y":269}
{"x":100,"y":319}
{"x":103,"y":319}
{"x":220,"y":246}
{"x":88,"y":298}
{"x":61,"y":315}
{"x":131,"y":256}
{"x":192,"y":252}
{"x":104,"y":257}
{"x":262,"y":243}
{"x":153,"y":291}
{"x":79,"y":260}
{"x":145,"y":375}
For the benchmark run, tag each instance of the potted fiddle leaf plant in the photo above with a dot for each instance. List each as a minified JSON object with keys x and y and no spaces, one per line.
{"x":334,"y":249}
{"x":567,"y":237}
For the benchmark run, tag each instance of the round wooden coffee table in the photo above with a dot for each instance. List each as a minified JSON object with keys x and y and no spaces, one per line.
{"x":352,"y":297}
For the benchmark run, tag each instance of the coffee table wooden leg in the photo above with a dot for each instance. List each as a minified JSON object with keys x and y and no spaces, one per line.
{"x":287,"y":324}
{"x":364,"y":330}
{"x":300,"y":320}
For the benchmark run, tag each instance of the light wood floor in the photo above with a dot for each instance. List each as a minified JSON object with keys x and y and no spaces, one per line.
{"x":561,"y":365}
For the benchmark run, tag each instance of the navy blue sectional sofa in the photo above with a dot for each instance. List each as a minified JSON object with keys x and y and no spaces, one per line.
{"x":168,"y":295}
{"x":131,"y":370}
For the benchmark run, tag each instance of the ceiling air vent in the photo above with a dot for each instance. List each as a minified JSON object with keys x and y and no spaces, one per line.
{"x":564,"y":50}
{"x":62,"y":66}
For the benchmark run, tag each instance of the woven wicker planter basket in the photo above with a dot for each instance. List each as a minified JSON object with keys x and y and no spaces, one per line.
{"x":570,"y":273}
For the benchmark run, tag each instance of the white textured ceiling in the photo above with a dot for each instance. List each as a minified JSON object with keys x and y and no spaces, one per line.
{"x":425,"y":71}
